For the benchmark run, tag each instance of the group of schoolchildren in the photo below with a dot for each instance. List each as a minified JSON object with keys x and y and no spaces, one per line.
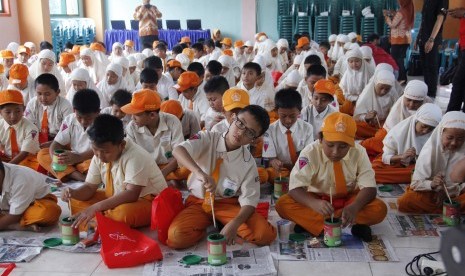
{"x":221,"y":119}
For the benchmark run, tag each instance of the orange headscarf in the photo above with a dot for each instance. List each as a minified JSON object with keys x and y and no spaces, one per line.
{"x":408,"y":12}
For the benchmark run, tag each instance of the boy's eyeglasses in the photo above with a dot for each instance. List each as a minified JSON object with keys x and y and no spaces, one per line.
{"x":248,"y":132}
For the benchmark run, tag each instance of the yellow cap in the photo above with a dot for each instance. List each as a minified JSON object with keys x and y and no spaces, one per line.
{"x":339,"y":127}
{"x":235,"y":98}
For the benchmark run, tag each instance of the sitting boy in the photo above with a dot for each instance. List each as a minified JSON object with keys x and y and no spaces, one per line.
{"x":18,"y":137}
{"x":119,"y":99}
{"x":333,"y":166}
{"x":189,"y":122}
{"x":214,"y":90}
{"x":129,"y":173}
{"x":191,"y":98}
{"x":26,"y":199}
{"x":73,"y":136}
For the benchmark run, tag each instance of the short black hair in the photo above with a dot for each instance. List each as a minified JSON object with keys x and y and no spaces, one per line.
{"x":209,"y":43}
{"x":148,"y":76}
{"x":153,"y":62}
{"x":197,"y":67}
{"x":162,"y":47}
{"x":197,"y":46}
{"x":260,"y":114}
{"x":86,"y":101}
{"x":106,"y":128}
{"x":288,"y":98}
{"x":312,"y":59}
{"x":69,"y":45}
{"x":121,"y":97}
{"x":317,"y":70}
{"x":45,"y":45}
{"x":253,"y":66}
{"x":177,"y":49}
{"x":325,"y":44}
{"x":372,"y":37}
{"x":214,"y":67}
{"x":49,"y":80}
{"x":183,"y":45}
{"x":217,"y":84}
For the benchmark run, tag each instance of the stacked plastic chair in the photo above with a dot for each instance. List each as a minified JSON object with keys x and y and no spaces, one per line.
{"x":322,"y":28}
{"x":285,"y":20}
{"x":369,"y":25}
{"x":347,"y":23}
{"x":303,"y":20}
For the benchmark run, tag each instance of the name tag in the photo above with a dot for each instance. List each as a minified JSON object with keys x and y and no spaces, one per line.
{"x":165,"y":138}
{"x":229,"y":187}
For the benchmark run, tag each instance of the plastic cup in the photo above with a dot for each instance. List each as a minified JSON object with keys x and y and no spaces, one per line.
{"x":284,"y":230}
{"x":332,"y":232}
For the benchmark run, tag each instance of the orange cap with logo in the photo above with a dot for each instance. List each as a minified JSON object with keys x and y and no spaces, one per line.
{"x":185,"y":39}
{"x":142,"y":100}
{"x":18,"y":74}
{"x":129,"y":43}
{"x":235,"y":98}
{"x":227,"y":41}
{"x":187,"y":80}
{"x":24,"y":49}
{"x":238,"y":44}
{"x":339,"y":127}
{"x":172,"y":107}
{"x":11,"y":97}
{"x":6,"y":54}
{"x":301,"y":42}
{"x":325,"y":87}
{"x":66,"y":59}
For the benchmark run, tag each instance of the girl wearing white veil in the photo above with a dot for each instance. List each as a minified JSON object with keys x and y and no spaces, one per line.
{"x":80,"y":79}
{"x":113,"y":81}
{"x":91,"y":64}
{"x":46,"y":63}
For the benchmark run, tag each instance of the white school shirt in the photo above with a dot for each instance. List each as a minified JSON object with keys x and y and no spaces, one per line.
{"x":26,"y":136}
{"x":275,"y":140}
{"x":310,"y":115}
{"x":167,"y":136}
{"x":21,"y":186}
{"x":262,"y":96}
{"x":200,"y":104}
{"x":202,"y":60}
{"x":205,"y":148}
{"x":190,"y":123}
{"x":126,"y":119}
{"x":165,"y":89}
{"x":135,"y":166}
{"x":215,"y":54}
{"x":210,"y":116}
{"x":304,"y":92}
{"x":72,"y":133}
{"x":28,"y":93}
{"x":221,"y":127}
{"x":56,"y":113}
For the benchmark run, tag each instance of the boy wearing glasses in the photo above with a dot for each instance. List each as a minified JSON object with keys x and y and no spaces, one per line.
{"x":286,"y":137}
{"x":215,"y":160}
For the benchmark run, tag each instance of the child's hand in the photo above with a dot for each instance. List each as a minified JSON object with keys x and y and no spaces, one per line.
{"x":438,"y":182}
{"x":217,"y":119}
{"x":411,"y":152}
{"x":69,"y":158}
{"x":276,"y":164}
{"x":229,"y":231}
{"x":208,"y":182}
{"x":84,"y":217}
{"x":66,"y":194}
{"x":323,"y":207}
{"x":349,"y":213}
{"x":46,"y":145}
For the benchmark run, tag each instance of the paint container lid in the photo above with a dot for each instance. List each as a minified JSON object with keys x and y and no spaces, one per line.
{"x":385,"y":188}
{"x":191,"y":259}
{"x":52,"y":242}
{"x":297,"y":237}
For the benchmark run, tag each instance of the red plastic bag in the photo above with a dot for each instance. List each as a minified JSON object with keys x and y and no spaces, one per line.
{"x":276,"y":75}
{"x":123,"y":246}
{"x":165,"y":207}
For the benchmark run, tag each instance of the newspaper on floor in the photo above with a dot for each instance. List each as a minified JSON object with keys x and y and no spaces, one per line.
{"x":395,"y":190}
{"x":253,"y":261}
{"x":353,"y":249}
{"x":18,"y":254}
{"x":413,"y":225}
{"x":39,"y":242}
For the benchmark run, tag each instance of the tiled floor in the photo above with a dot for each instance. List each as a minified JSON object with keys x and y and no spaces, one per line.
{"x":57,"y":263}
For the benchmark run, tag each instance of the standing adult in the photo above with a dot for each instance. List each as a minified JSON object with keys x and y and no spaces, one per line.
{"x":148,"y":28}
{"x":429,"y":38}
{"x":400,"y":25}
{"x":457,"y":97}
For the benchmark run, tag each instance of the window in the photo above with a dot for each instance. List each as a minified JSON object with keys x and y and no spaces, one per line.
{"x":4,"y":7}
{"x":65,"y":8}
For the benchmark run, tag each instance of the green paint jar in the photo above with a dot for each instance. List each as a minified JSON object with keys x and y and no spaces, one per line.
{"x":281,"y":186}
{"x":332,"y":232}
{"x":69,"y":235}
{"x":56,"y":165}
{"x":451,"y":212}
{"x":216,"y":244}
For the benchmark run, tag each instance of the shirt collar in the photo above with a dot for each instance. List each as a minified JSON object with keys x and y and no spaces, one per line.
{"x":222,"y":151}
{"x":162,"y":126}
{"x":16,"y":126}
{"x":319,"y":115}
{"x":284,"y":129}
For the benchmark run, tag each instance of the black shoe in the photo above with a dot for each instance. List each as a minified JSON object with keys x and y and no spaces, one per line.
{"x":362,"y":231}
{"x":299,"y":229}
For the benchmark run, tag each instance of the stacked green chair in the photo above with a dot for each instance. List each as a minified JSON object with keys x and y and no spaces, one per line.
{"x":303,"y":24}
{"x":285,"y":20}
{"x":369,"y":26}
{"x":322,"y":28}
{"x":347,"y":24}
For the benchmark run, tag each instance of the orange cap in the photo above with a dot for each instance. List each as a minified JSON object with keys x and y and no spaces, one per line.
{"x":339,"y":127}
{"x":228,"y":52}
{"x":129,"y":43}
{"x":227,"y":41}
{"x":65,"y":59}
{"x":174,"y":63}
{"x":172,"y":107}
{"x":235,"y":98}
{"x":302,"y":42}
{"x":76,"y":49}
{"x":238,"y":44}
{"x":24,"y":49}
{"x":97,"y":47}
{"x":11,"y":97}
{"x":325,"y":87}
{"x":142,"y":100}
{"x":18,"y":74}
{"x":187,"y":80}
{"x":6,"y":54}
{"x":185,"y":39}
{"x":189,"y":53}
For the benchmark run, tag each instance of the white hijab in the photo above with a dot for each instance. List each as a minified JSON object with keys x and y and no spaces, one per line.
{"x":113,"y":50}
{"x":283,"y":58}
{"x":434,"y":159}
{"x":36,"y":69}
{"x":367,"y":53}
{"x":96,"y":70}
{"x":227,"y":61}
{"x":129,"y":82}
{"x":272,"y":63}
{"x":368,"y":100}
{"x":81,"y":74}
{"x":353,"y":82}
{"x":260,"y":60}
{"x":294,"y":67}
{"x":331,"y":38}
{"x":403,"y":136}
{"x":107,"y":89}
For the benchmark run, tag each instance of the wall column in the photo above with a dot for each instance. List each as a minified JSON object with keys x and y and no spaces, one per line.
{"x":34,"y":21}
{"x":249,"y":19}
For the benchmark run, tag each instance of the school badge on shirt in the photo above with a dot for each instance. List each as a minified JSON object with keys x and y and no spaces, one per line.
{"x":33,"y":134}
{"x":64,"y":127}
{"x":195,"y":137}
{"x":266,"y":144}
{"x":303,"y":161}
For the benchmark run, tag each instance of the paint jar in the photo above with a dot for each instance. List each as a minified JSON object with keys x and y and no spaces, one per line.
{"x":451,"y":212}
{"x":284,"y":230}
{"x":216,"y":244}
{"x":332,"y":232}
{"x":69,"y":235}
{"x":281,"y":186}
{"x":56,"y":165}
